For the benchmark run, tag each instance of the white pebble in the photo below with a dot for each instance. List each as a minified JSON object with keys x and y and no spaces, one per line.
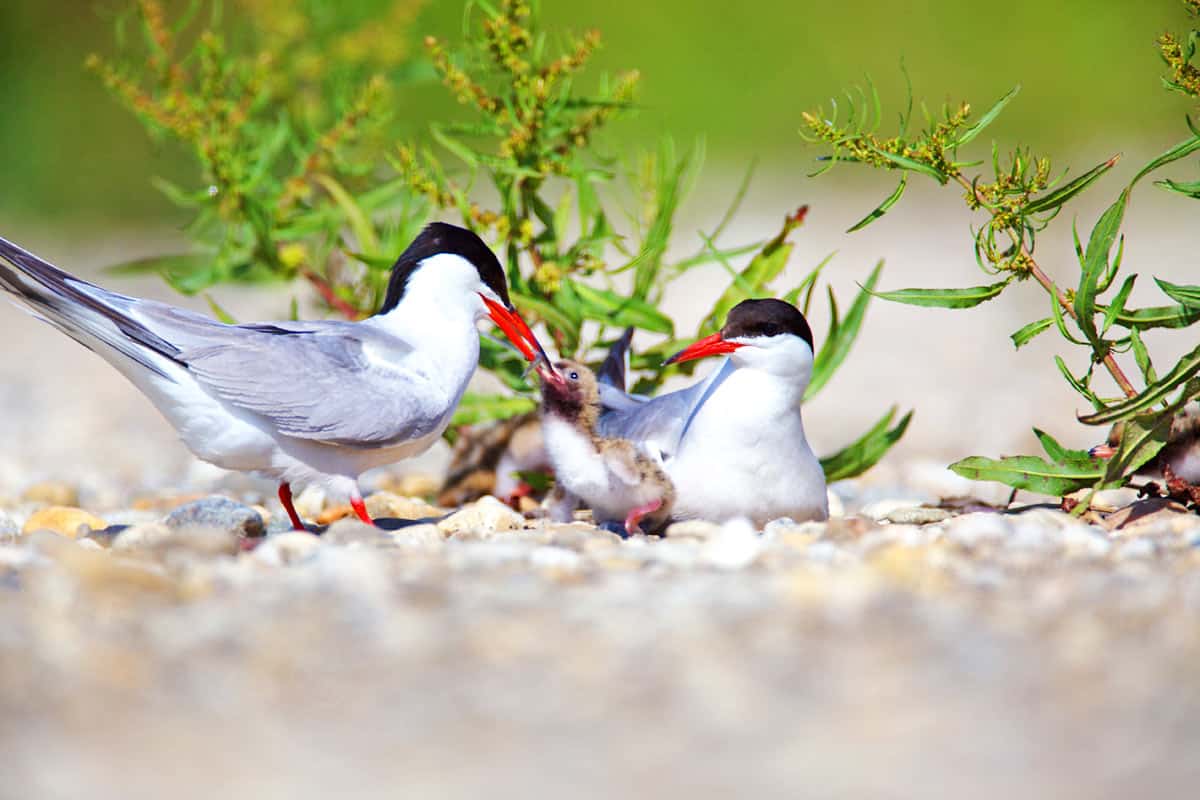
{"x":735,"y":545}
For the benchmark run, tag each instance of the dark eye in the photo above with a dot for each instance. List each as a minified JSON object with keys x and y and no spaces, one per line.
{"x":574,"y":376}
{"x":771,"y":329}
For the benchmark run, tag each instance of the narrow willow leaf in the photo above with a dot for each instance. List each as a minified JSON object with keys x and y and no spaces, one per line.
{"x":1142,"y":356}
{"x":883,"y":207}
{"x":364,"y":231}
{"x":476,"y":408}
{"x":914,"y":166}
{"x":554,"y":315}
{"x":1187,"y":296}
{"x":1182,"y":372}
{"x":807,"y":285}
{"x":1190,"y":188}
{"x":1095,"y":264}
{"x":1061,"y":455}
{"x":1118,"y":303}
{"x":1158,"y":317}
{"x":1030,"y":473}
{"x":1141,"y":440}
{"x":611,"y":308}
{"x":945,"y":298}
{"x":987,"y":119}
{"x":219,"y":312}
{"x":750,"y":282}
{"x":865,"y":451}
{"x":1078,"y":385}
{"x":1054,"y":200}
{"x":1181,"y":150}
{"x":841,"y":336}
{"x":1026,"y":333}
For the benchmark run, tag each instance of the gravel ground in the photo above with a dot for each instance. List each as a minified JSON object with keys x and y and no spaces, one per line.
{"x":897,"y":651}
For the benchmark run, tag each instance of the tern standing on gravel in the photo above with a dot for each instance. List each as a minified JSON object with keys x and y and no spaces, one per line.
{"x":733,"y":444}
{"x":299,"y":402}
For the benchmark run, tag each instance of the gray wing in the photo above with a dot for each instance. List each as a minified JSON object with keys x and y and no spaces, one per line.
{"x":660,"y":423}
{"x":311,"y":380}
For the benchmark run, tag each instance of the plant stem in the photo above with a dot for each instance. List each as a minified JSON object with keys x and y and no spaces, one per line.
{"x":331,"y":297}
{"x":1110,"y":363}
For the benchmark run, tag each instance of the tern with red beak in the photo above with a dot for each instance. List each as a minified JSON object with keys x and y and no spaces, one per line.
{"x":733,"y":444}
{"x":299,"y":402}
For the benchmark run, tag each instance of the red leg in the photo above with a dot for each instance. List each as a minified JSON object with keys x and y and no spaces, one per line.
{"x":285,"y":497}
{"x":360,"y":509}
{"x":634,"y":518}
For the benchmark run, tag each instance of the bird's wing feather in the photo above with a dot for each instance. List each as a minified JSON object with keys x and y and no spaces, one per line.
{"x":621,"y":460}
{"x":346,"y":397}
{"x":660,"y":423}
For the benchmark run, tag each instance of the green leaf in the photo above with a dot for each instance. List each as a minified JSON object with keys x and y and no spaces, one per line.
{"x":1054,"y":200}
{"x":1157,"y":317}
{"x":1025,"y":334}
{"x":1078,"y":385}
{"x":1118,"y":303}
{"x":1190,"y":188}
{"x":1181,"y":150}
{"x":1095,"y":264}
{"x":187,"y":274}
{"x":1030,"y":473}
{"x":841,"y":337}
{"x":865,"y":452}
{"x":751,"y":281}
{"x":1181,"y":373}
{"x":1062,"y":455}
{"x":364,"y":231}
{"x":913,"y":165}
{"x":1141,"y":440}
{"x":611,"y":308}
{"x":883,"y":207}
{"x":945,"y":298}
{"x":1142,"y":356}
{"x":476,"y":408}
{"x":219,"y":312}
{"x":987,"y":119}
{"x":1187,"y":296}
{"x":556,"y":318}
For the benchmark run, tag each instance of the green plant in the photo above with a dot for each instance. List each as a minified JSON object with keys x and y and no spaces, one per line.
{"x":295,"y":189}
{"x":1018,"y":198}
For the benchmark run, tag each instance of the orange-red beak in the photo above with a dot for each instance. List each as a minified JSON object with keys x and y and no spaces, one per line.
{"x":509,"y":321}
{"x":712,"y":345}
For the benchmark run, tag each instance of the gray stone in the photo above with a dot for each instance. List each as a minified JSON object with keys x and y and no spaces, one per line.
{"x":217,"y":512}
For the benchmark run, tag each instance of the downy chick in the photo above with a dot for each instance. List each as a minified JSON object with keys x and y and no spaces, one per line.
{"x":622,"y":484}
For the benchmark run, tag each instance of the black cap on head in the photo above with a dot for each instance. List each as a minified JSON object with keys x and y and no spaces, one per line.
{"x":442,"y":237}
{"x":767,"y":317}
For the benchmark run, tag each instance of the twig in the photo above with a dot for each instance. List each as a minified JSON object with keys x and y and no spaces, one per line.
{"x":331,"y":297}
{"x":1110,"y":363}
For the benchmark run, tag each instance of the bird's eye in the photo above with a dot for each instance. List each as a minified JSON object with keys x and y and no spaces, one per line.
{"x":574,"y":376}
{"x":770,"y":329}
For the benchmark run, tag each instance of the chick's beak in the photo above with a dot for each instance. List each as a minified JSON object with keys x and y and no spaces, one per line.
{"x":712,"y":345}
{"x":550,"y":376}
{"x":517,"y":331}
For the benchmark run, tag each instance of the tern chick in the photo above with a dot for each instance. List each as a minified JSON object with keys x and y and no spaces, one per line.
{"x":620,"y":482}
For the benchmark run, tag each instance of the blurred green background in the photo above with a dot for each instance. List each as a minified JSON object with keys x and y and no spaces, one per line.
{"x":738,"y":74}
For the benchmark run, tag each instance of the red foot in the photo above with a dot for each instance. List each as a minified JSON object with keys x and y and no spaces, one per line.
{"x":634,"y":518}
{"x":360,"y":509}
{"x":285,"y":497}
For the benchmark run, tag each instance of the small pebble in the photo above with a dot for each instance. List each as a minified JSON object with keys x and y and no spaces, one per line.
{"x":51,"y":493}
{"x":161,"y":539}
{"x":486,"y":515}
{"x":735,"y":546}
{"x":921,"y":515}
{"x":220,"y":513}
{"x":62,"y":520}
{"x":354,"y":532}
{"x":289,"y":547}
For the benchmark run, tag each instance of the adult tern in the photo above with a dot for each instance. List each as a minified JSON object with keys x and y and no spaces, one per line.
{"x":316,"y":402}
